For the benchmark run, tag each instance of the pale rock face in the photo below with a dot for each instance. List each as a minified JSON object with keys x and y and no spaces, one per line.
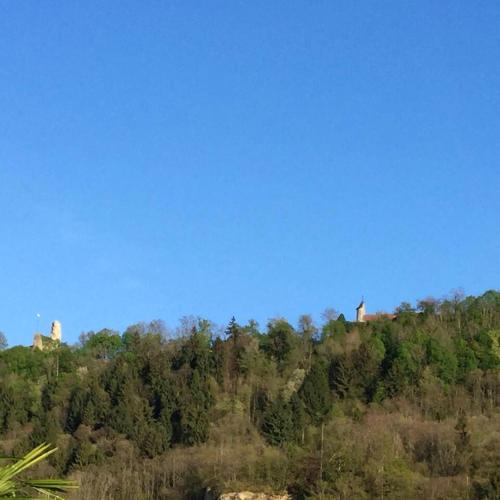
{"x":248,"y":495}
{"x":55,"y":331}
{"x":37,"y":341}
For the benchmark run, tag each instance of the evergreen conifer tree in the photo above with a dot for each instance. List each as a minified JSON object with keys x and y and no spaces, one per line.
{"x":277,"y":425}
{"x":315,"y":393}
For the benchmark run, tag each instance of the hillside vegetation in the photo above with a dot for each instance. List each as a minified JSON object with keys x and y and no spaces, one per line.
{"x":403,"y":408}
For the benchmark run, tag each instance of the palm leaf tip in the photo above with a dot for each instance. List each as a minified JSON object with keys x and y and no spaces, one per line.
{"x":60,"y":485}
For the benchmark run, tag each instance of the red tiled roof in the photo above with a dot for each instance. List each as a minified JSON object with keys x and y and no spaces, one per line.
{"x":373,"y":317}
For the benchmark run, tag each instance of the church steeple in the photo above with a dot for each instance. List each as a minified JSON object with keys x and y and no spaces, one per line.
{"x":361,"y":311}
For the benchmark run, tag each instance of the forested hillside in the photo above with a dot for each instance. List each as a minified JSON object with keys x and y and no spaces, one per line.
{"x":402,"y":408}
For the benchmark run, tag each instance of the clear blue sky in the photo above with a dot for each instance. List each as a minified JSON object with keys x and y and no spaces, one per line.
{"x":258,"y":158}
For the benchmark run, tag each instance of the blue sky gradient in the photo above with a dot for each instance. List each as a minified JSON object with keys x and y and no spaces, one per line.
{"x":261,"y":159}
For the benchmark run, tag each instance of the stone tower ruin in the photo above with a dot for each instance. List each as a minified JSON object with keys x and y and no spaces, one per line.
{"x":45,"y":342}
{"x":37,"y":341}
{"x":55,"y":331}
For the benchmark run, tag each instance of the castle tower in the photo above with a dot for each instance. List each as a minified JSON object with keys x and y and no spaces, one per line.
{"x":360,"y":312}
{"x":55,"y":331}
{"x":37,"y":341}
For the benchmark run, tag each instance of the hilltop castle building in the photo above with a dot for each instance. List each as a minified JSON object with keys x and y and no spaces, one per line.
{"x":362,"y":317}
{"x":43,"y":342}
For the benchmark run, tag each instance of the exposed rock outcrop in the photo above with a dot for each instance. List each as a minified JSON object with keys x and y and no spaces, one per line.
{"x":248,"y":495}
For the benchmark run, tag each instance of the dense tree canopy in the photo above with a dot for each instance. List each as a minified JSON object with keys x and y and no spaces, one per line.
{"x":397,"y":408}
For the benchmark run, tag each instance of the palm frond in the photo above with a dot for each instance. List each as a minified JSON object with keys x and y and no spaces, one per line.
{"x":10,"y":485}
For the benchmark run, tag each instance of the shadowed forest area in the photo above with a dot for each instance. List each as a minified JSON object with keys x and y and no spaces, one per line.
{"x":393,"y":408}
